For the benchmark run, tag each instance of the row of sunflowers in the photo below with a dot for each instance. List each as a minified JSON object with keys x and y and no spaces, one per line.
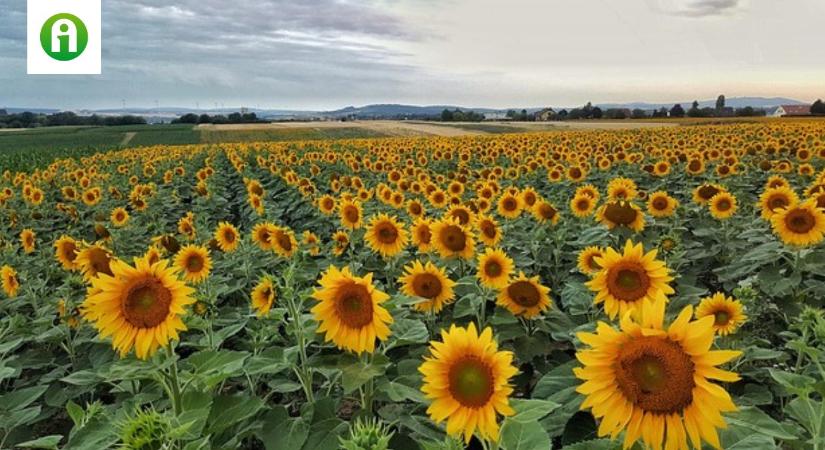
{"x":655,"y":288}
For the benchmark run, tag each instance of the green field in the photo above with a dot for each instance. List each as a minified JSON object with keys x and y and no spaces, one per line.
{"x":26,"y":149}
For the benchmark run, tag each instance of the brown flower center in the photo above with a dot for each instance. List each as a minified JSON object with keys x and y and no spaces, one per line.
{"x":146,"y":303}
{"x":509,"y":204}
{"x":427,"y":285}
{"x":99,"y":260}
{"x":492,"y":268}
{"x":721,"y":318}
{"x":660,"y":203}
{"x":655,"y":374}
{"x":353,"y":305}
{"x":462,"y":215}
{"x":583,"y":204}
{"x":524,"y":293}
{"x":778,"y":201}
{"x":351,"y":214}
{"x":800,"y":221}
{"x":194,"y":263}
{"x":453,"y":237}
{"x":229,"y":235}
{"x":471,"y":382}
{"x":620,"y":213}
{"x":283,"y":241}
{"x":707,"y":192}
{"x":723,"y":205}
{"x":386,"y":233}
{"x":547,"y":211}
{"x":489,"y":229}
{"x":628,"y":281}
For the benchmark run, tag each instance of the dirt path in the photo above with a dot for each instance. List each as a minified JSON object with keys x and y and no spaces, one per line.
{"x":128,"y":138}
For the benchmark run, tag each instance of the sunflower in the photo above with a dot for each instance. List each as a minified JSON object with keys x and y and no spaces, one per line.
{"x":461,"y":213}
{"x":194,"y":262}
{"x":340,"y":242}
{"x":261,"y":235}
{"x":350,"y":311}
{"x":94,"y":260}
{"x":227,"y":236}
{"x":139,"y":307}
{"x":467,"y":379}
{"x":119,"y":217}
{"x":723,"y":206}
{"x":621,"y":214}
{"x":524,"y":296}
{"x":65,"y":250}
{"x":494,"y":268}
{"x":8,"y":278}
{"x":350,"y":214}
{"x":727,"y":312}
{"x":263,"y":296}
{"x":660,"y":204}
{"x":27,"y":239}
{"x":311,"y":240}
{"x":622,"y":189}
{"x":326,"y":204}
{"x":587,"y":260}
{"x":653,"y":383}
{"x":777,"y":198}
{"x":152,"y":255}
{"x":627,"y":279}
{"x":488,"y":230}
{"x":450,"y":239}
{"x":801,"y":225}
{"x":282,"y":240}
{"x":422,"y":234}
{"x":428,"y":282}
{"x":509,"y":206}
{"x":385,"y":235}
{"x":582,"y":205}
{"x":703,"y":193}
{"x":544,"y":212}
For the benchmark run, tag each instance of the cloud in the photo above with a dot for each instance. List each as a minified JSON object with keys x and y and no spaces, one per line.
{"x":698,"y":8}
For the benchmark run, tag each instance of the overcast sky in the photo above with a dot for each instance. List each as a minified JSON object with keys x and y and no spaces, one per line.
{"x":326,"y":54}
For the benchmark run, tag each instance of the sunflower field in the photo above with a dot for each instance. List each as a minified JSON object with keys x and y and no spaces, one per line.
{"x":645,"y":289}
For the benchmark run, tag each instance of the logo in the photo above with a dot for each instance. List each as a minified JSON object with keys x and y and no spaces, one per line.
{"x":64,"y":37}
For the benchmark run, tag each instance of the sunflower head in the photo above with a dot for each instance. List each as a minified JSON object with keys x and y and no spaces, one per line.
{"x":510,"y":205}
{"x":627,"y":279}
{"x":65,"y":250}
{"x":138,"y":306}
{"x":422,"y":234}
{"x":349,"y":311}
{"x":340,"y":242}
{"x":621,"y":214}
{"x":9,"y":281}
{"x":587,"y":260}
{"x":525,"y":296}
{"x":723,"y":206}
{"x":582,"y":205}
{"x":451,"y":239}
{"x":428,"y":282}
{"x":262,"y":235}
{"x":544,"y":212}
{"x":94,"y":260}
{"x":263,"y":296}
{"x":801,"y":225}
{"x":282,"y":241}
{"x":773,"y":199}
{"x":488,"y":230}
{"x":227,"y":237}
{"x":119,"y":217}
{"x":653,"y":382}
{"x":494,"y":268}
{"x":194,"y":263}
{"x":350,"y":214}
{"x":727,"y":312}
{"x":27,"y":240}
{"x":660,"y":204}
{"x":386,"y":236}
{"x":467,"y":382}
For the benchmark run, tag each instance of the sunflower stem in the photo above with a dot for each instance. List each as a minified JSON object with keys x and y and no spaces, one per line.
{"x":174,"y":380}
{"x":304,"y":373}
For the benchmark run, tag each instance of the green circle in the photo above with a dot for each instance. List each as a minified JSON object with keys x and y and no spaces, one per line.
{"x":82,"y":37}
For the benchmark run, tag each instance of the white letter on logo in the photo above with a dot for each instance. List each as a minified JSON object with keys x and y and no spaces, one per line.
{"x":64,"y":27}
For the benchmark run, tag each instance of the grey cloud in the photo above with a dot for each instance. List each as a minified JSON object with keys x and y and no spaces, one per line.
{"x":698,"y":8}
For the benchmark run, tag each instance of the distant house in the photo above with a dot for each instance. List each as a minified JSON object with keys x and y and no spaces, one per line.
{"x":495,"y":116}
{"x":792,"y":111}
{"x":545,"y":115}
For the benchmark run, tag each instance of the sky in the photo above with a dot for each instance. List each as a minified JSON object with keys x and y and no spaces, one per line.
{"x":327,"y":54}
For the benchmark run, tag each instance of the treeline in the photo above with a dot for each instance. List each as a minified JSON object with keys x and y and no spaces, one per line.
{"x":34,"y":120}
{"x":218,"y":118}
{"x":461,"y":116}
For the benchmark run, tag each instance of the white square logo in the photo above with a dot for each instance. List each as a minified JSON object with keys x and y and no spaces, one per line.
{"x":63,"y":37}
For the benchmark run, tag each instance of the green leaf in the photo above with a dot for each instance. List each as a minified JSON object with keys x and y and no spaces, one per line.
{"x":531,"y":410}
{"x":358,"y":373}
{"x":76,"y":412}
{"x":21,"y":398}
{"x":227,"y":410}
{"x":50,"y":442}
{"x":595,"y":444}
{"x":214,"y":366}
{"x":793,"y":382}
{"x":408,"y":332}
{"x":523,"y":436}
{"x":82,"y":378}
{"x":758,"y":422}
{"x":281,"y":432}
{"x":398,"y":392}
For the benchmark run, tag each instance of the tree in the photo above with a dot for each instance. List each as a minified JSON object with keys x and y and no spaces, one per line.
{"x":446,"y":115}
{"x":818,"y":108}
{"x":677,"y":111}
{"x":639,"y":113}
{"x":720,"y":103}
{"x":597,"y":113}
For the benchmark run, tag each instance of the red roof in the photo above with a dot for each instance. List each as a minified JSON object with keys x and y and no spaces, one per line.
{"x":797,"y":110}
